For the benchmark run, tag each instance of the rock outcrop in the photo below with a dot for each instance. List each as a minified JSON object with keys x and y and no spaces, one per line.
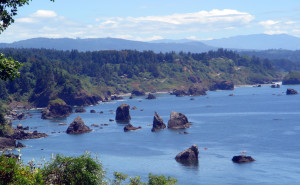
{"x":78,"y":127}
{"x":290,"y":91}
{"x":122,"y":113}
{"x":242,"y":159}
{"x":129,"y":127}
{"x":178,"y":121}
{"x":151,"y":96}
{"x":8,"y":143}
{"x":80,"y":110}
{"x":275,"y":86}
{"x":20,"y":134}
{"x":137,"y":93}
{"x":194,"y":90}
{"x":116,"y":98}
{"x":221,"y":85}
{"x":56,"y":110}
{"x":189,"y":155}
{"x":158,"y":123}
{"x":81,"y":98}
{"x":197,"y":90}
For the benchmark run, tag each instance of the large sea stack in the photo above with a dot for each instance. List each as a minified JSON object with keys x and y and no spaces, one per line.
{"x":158,"y":123}
{"x":190,"y":155}
{"x":122,"y":113}
{"x":178,"y":121}
{"x":78,"y":127}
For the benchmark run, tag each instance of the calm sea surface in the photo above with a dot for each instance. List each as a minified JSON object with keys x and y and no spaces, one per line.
{"x":262,"y":121}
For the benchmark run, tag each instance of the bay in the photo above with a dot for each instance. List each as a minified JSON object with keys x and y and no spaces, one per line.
{"x":262,"y":121}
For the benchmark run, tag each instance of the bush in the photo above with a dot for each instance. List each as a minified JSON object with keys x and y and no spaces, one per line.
{"x":74,"y":170}
{"x":12,"y":171}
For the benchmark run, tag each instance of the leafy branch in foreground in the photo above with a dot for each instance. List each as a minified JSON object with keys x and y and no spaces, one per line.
{"x":9,"y":68}
{"x":9,"y":9}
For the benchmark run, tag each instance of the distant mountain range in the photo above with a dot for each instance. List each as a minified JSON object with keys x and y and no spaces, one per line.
{"x":257,"y":42}
{"x":108,"y":44}
{"x":246,"y":42}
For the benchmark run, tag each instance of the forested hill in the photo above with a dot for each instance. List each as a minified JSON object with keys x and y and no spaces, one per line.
{"x":81,"y":78}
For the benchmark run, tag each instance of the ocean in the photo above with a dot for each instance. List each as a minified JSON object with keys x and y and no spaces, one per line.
{"x":261,"y":121}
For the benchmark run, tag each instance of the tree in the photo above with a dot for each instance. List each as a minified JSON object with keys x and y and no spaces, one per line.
{"x":8,"y":9}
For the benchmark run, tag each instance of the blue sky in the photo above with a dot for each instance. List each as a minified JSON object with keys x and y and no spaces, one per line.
{"x":146,"y":20}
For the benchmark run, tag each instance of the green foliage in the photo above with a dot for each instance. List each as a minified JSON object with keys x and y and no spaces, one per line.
{"x":12,"y":171}
{"x":48,"y":74}
{"x":9,"y":68}
{"x":73,"y":170}
{"x":79,"y":170}
{"x":161,"y":180}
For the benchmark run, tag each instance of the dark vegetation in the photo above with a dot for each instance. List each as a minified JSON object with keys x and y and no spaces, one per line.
{"x":282,"y":60}
{"x":81,"y":78}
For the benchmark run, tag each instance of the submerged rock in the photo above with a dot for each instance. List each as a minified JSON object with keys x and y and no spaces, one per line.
{"x":178,"y":121}
{"x":122,"y":113}
{"x":158,"y":123}
{"x":129,"y":127}
{"x":78,"y":127}
{"x":290,"y":91}
{"x":189,"y":155}
{"x":242,"y":159}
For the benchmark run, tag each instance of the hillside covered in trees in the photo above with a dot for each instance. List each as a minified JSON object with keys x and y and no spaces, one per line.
{"x":82,"y":78}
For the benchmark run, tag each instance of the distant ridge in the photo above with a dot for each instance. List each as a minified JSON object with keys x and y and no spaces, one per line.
{"x":257,"y":42}
{"x":107,"y":44}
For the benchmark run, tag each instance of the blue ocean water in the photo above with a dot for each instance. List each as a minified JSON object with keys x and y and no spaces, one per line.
{"x":262,"y":121}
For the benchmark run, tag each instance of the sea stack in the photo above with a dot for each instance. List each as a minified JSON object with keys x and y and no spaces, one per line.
{"x":122,"y":113}
{"x":158,"y":123}
{"x":178,"y":121}
{"x":190,"y":155}
{"x":78,"y":127}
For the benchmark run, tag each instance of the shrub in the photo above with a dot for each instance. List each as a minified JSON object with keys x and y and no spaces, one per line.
{"x":12,"y":171}
{"x":73,"y":170}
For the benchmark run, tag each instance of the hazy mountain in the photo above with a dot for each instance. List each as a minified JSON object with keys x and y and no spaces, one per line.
{"x":257,"y":42}
{"x":107,"y":44}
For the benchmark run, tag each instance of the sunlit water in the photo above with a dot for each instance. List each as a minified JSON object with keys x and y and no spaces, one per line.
{"x":262,"y":121}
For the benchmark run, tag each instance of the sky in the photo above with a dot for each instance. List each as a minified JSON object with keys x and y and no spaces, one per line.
{"x":146,"y":20}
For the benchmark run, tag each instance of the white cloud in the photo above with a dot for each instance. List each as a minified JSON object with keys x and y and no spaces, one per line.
{"x":134,"y":28}
{"x":44,"y":14}
{"x":269,"y":23}
{"x":275,"y":32}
